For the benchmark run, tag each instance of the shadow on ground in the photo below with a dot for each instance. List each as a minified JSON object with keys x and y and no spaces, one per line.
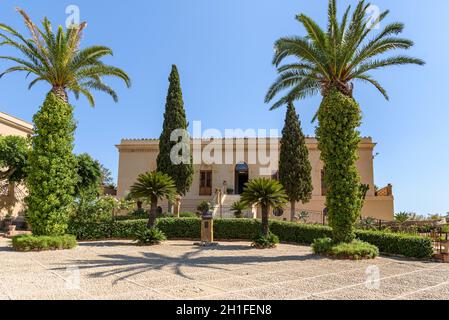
{"x":125,"y":266}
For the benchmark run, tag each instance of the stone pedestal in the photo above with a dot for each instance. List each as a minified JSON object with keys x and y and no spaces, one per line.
{"x":207,"y":230}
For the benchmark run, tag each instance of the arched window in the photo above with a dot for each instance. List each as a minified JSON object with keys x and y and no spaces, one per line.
{"x":278,"y":212}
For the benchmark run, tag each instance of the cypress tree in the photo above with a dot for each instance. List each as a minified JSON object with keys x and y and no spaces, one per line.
{"x":174,"y":119}
{"x":294,"y":165}
{"x":52,"y":168}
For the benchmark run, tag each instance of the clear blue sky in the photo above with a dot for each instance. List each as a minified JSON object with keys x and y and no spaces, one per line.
{"x":223,"y":49}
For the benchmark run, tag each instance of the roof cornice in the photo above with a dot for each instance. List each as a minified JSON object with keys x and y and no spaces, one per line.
{"x":16,"y":123}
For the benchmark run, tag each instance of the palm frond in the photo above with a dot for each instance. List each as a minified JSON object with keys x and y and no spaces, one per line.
{"x":285,"y":80}
{"x":392,"y":61}
{"x":55,"y":57}
{"x":376,"y":84}
{"x":97,"y":85}
{"x":337,"y":57}
{"x":302,"y":49}
{"x":305,"y":88}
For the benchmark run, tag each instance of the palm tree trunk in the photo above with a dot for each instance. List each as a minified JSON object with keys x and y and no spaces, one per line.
{"x":60,"y":93}
{"x":265,"y":227}
{"x":153,"y":213}
{"x":293,"y":210}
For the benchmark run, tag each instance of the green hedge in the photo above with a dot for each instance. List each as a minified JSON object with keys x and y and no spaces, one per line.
{"x":26,"y":243}
{"x":183,"y":228}
{"x":299,"y":233}
{"x":248,"y":229}
{"x":396,"y":243}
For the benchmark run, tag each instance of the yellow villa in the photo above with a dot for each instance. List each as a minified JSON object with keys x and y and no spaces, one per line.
{"x":11,"y":196}
{"x":235,"y":161}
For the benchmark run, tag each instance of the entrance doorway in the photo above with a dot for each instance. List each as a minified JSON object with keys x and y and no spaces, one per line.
{"x":241,"y":177}
{"x":205,"y":183}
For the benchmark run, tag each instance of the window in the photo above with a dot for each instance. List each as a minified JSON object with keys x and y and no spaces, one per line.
{"x":278,"y":212}
{"x":323,"y":184}
{"x":205,"y":183}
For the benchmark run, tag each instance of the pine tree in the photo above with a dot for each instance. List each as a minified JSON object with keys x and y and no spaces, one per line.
{"x":174,"y":119}
{"x":52,"y":168}
{"x":294,"y":165}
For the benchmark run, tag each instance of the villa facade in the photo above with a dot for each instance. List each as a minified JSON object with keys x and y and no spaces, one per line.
{"x":235,"y":161}
{"x":11,"y":196}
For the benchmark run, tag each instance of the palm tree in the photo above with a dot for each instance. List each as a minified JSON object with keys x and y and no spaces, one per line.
{"x":329,"y":62}
{"x":238,"y":207}
{"x":57,"y":59}
{"x":264,"y":193}
{"x":153,"y":186}
{"x":402,"y":217}
{"x":336,"y":58}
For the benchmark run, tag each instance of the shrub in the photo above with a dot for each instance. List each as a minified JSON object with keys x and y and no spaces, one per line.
{"x":356,"y":250}
{"x":299,"y":233}
{"x":51,"y":174}
{"x":396,"y":243}
{"x":187,"y":215}
{"x":150,"y":237}
{"x":92,"y":218}
{"x":244,"y":229}
{"x":139,"y":214}
{"x":25,"y":243}
{"x":367,"y":223}
{"x":203,"y":207}
{"x":185,"y":228}
{"x":265,"y":242}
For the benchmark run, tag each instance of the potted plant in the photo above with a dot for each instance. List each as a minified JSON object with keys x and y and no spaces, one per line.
{"x":203,"y":208}
{"x":303,"y":216}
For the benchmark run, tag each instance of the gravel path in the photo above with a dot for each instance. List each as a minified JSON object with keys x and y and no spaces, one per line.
{"x":180,"y":270}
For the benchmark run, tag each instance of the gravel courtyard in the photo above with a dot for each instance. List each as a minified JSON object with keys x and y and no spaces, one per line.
{"x":180,"y":270}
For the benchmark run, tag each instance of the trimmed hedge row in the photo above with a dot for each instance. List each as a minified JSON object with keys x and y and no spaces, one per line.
{"x":248,"y":229}
{"x":396,"y":243}
{"x":25,"y":243}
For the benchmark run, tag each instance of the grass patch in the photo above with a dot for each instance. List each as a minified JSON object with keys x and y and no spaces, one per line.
{"x":150,"y":237}
{"x":356,"y":250}
{"x":25,"y":243}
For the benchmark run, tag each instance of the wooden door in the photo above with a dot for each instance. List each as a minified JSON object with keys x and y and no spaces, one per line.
{"x":206,"y":183}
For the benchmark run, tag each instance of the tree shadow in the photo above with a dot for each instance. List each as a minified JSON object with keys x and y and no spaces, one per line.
{"x":9,"y":248}
{"x":124,"y":266}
